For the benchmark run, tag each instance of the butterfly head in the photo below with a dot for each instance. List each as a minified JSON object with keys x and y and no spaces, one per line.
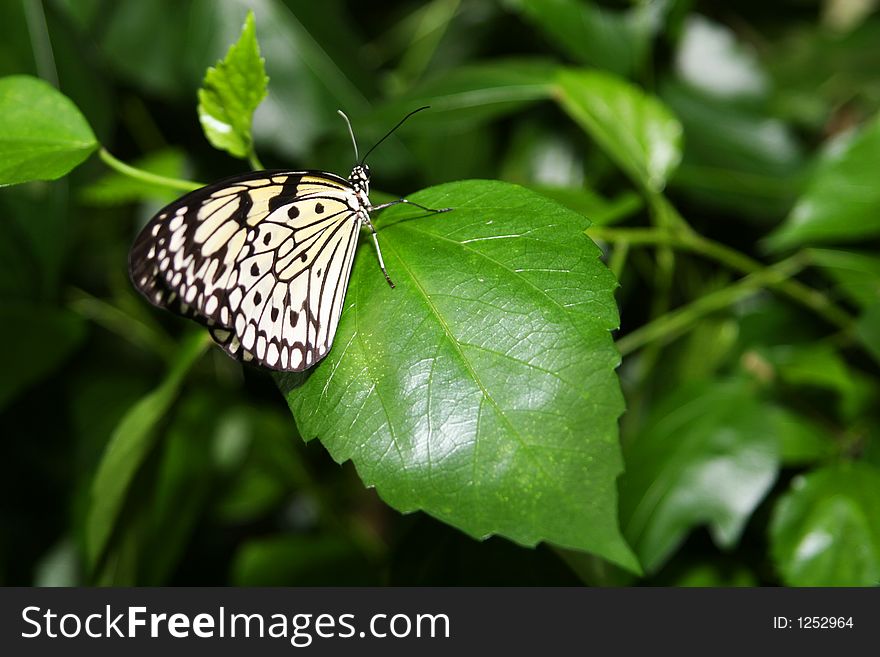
{"x":360,"y":179}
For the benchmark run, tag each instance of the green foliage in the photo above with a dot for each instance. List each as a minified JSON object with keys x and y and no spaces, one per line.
{"x":708,"y":454}
{"x":483,"y":396}
{"x":616,"y":41}
{"x":43,"y":135}
{"x":856,"y":273}
{"x":826,"y":529}
{"x":471,"y":382}
{"x":472,"y":95}
{"x":43,"y":337}
{"x":637,"y":131}
{"x":842,"y":200}
{"x":868,"y":330}
{"x":128,"y":447}
{"x":116,"y":188}
{"x":303,"y":561}
{"x":231,"y":92}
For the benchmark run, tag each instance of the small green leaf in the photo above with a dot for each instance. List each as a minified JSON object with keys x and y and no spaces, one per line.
{"x":825,"y":531}
{"x":706,"y":455}
{"x":636,"y":130}
{"x":42,"y":135}
{"x":231,"y":92}
{"x":128,"y":447}
{"x":842,"y":200}
{"x":482,"y":389}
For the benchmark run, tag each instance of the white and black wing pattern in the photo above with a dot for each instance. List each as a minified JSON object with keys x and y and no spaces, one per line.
{"x":263,"y":260}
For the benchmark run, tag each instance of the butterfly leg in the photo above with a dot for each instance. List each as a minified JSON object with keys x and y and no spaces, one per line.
{"x":407,"y":201}
{"x":379,"y":252}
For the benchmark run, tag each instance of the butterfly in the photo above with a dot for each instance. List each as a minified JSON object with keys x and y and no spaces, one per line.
{"x":262,"y":259}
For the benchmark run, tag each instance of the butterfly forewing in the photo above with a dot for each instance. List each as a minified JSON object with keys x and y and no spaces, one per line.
{"x":263,"y":260}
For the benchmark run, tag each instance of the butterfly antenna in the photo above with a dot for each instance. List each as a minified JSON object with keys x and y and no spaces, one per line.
{"x":390,"y":132}
{"x":351,"y":132}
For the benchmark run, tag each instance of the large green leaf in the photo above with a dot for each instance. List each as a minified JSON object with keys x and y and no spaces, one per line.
{"x":129,"y":445}
{"x":634,"y":129}
{"x":826,"y":529}
{"x":842,"y":200}
{"x":231,"y":92}
{"x":482,"y":389}
{"x":707,"y":455}
{"x":42,"y":135}
{"x":617,"y":41}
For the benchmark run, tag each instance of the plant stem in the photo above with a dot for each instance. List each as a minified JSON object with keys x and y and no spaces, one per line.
{"x":693,"y":242}
{"x":664,"y":217}
{"x":146,"y":176}
{"x":672,"y":324}
{"x":618,"y":259}
{"x":254,"y":161}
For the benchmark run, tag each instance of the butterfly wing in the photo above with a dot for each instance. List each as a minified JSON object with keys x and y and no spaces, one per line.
{"x":263,"y":260}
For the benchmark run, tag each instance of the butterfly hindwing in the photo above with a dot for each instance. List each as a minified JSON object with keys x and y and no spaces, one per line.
{"x":283,"y":302}
{"x":263,"y":260}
